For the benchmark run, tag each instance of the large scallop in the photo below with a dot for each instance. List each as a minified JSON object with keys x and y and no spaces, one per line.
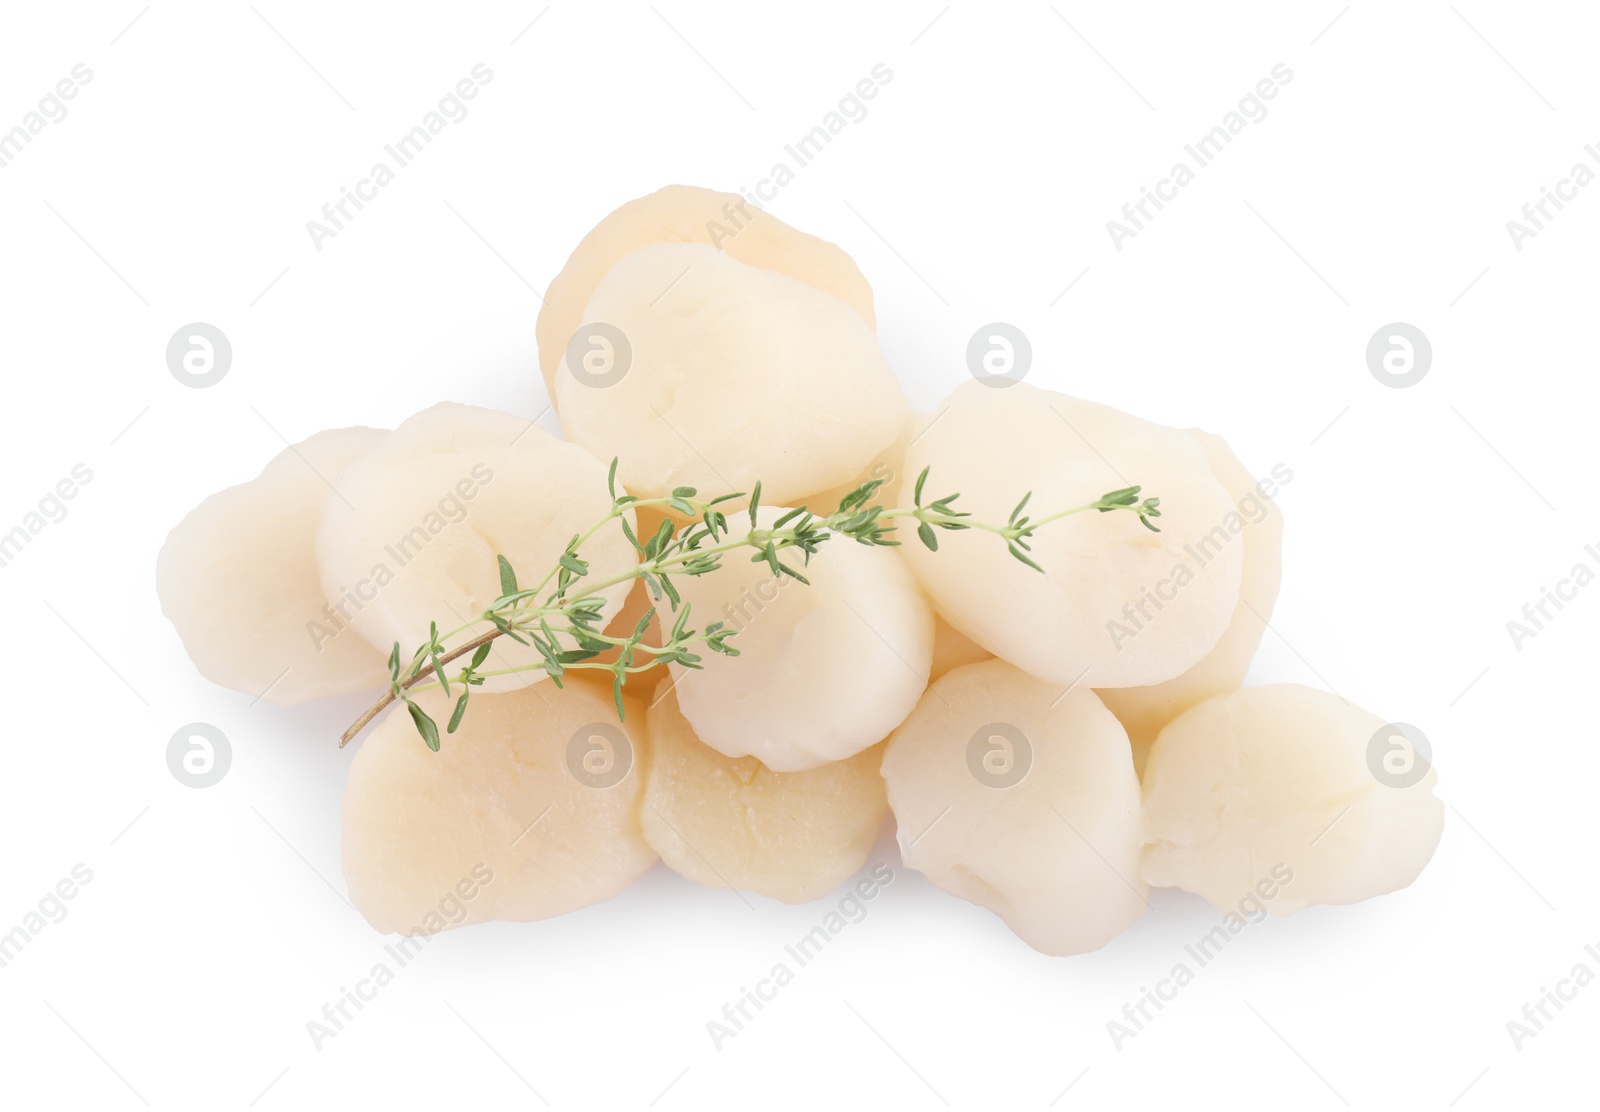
{"x":825,"y":670}
{"x":731,"y":822}
{"x":715,"y":374}
{"x":1287,"y":796}
{"x":1258,"y":521}
{"x":1023,"y":800}
{"x":690,"y":214}
{"x":1117,"y":605}
{"x":238,"y":579}
{"x":411,"y":535}
{"x":529,"y":810}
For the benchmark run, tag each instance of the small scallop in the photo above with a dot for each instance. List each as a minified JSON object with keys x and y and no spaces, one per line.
{"x":731,"y":822}
{"x":1117,"y":605}
{"x":825,"y":670}
{"x":238,"y":579}
{"x":532,"y":804}
{"x":1023,"y":800}
{"x":1144,"y":710}
{"x":732,"y":374}
{"x":1265,"y":782}
{"x":690,"y":214}
{"x":411,"y":534}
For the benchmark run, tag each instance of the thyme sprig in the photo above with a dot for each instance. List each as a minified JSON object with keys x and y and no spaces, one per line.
{"x":565,"y":629}
{"x":1019,"y":528}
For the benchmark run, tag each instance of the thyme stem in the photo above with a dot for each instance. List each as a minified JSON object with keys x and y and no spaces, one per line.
{"x":566,"y":630}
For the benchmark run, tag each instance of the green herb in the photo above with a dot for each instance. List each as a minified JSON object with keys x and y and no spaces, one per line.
{"x":564,"y":627}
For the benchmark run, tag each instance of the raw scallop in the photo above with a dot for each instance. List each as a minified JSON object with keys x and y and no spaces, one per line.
{"x":413,"y":531}
{"x":1117,"y":604}
{"x":539,"y":788}
{"x":1015,"y":797}
{"x":1144,"y":710}
{"x":824,"y":670}
{"x":690,"y":214}
{"x":1280,"y":778}
{"x":730,"y":822}
{"x":735,"y":375}
{"x":238,"y":579}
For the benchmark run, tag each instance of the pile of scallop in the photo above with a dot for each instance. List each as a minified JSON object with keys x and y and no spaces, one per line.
{"x":1050,"y":745}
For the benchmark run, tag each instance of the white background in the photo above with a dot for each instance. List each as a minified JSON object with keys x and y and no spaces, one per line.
{"x":977,"y":189}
